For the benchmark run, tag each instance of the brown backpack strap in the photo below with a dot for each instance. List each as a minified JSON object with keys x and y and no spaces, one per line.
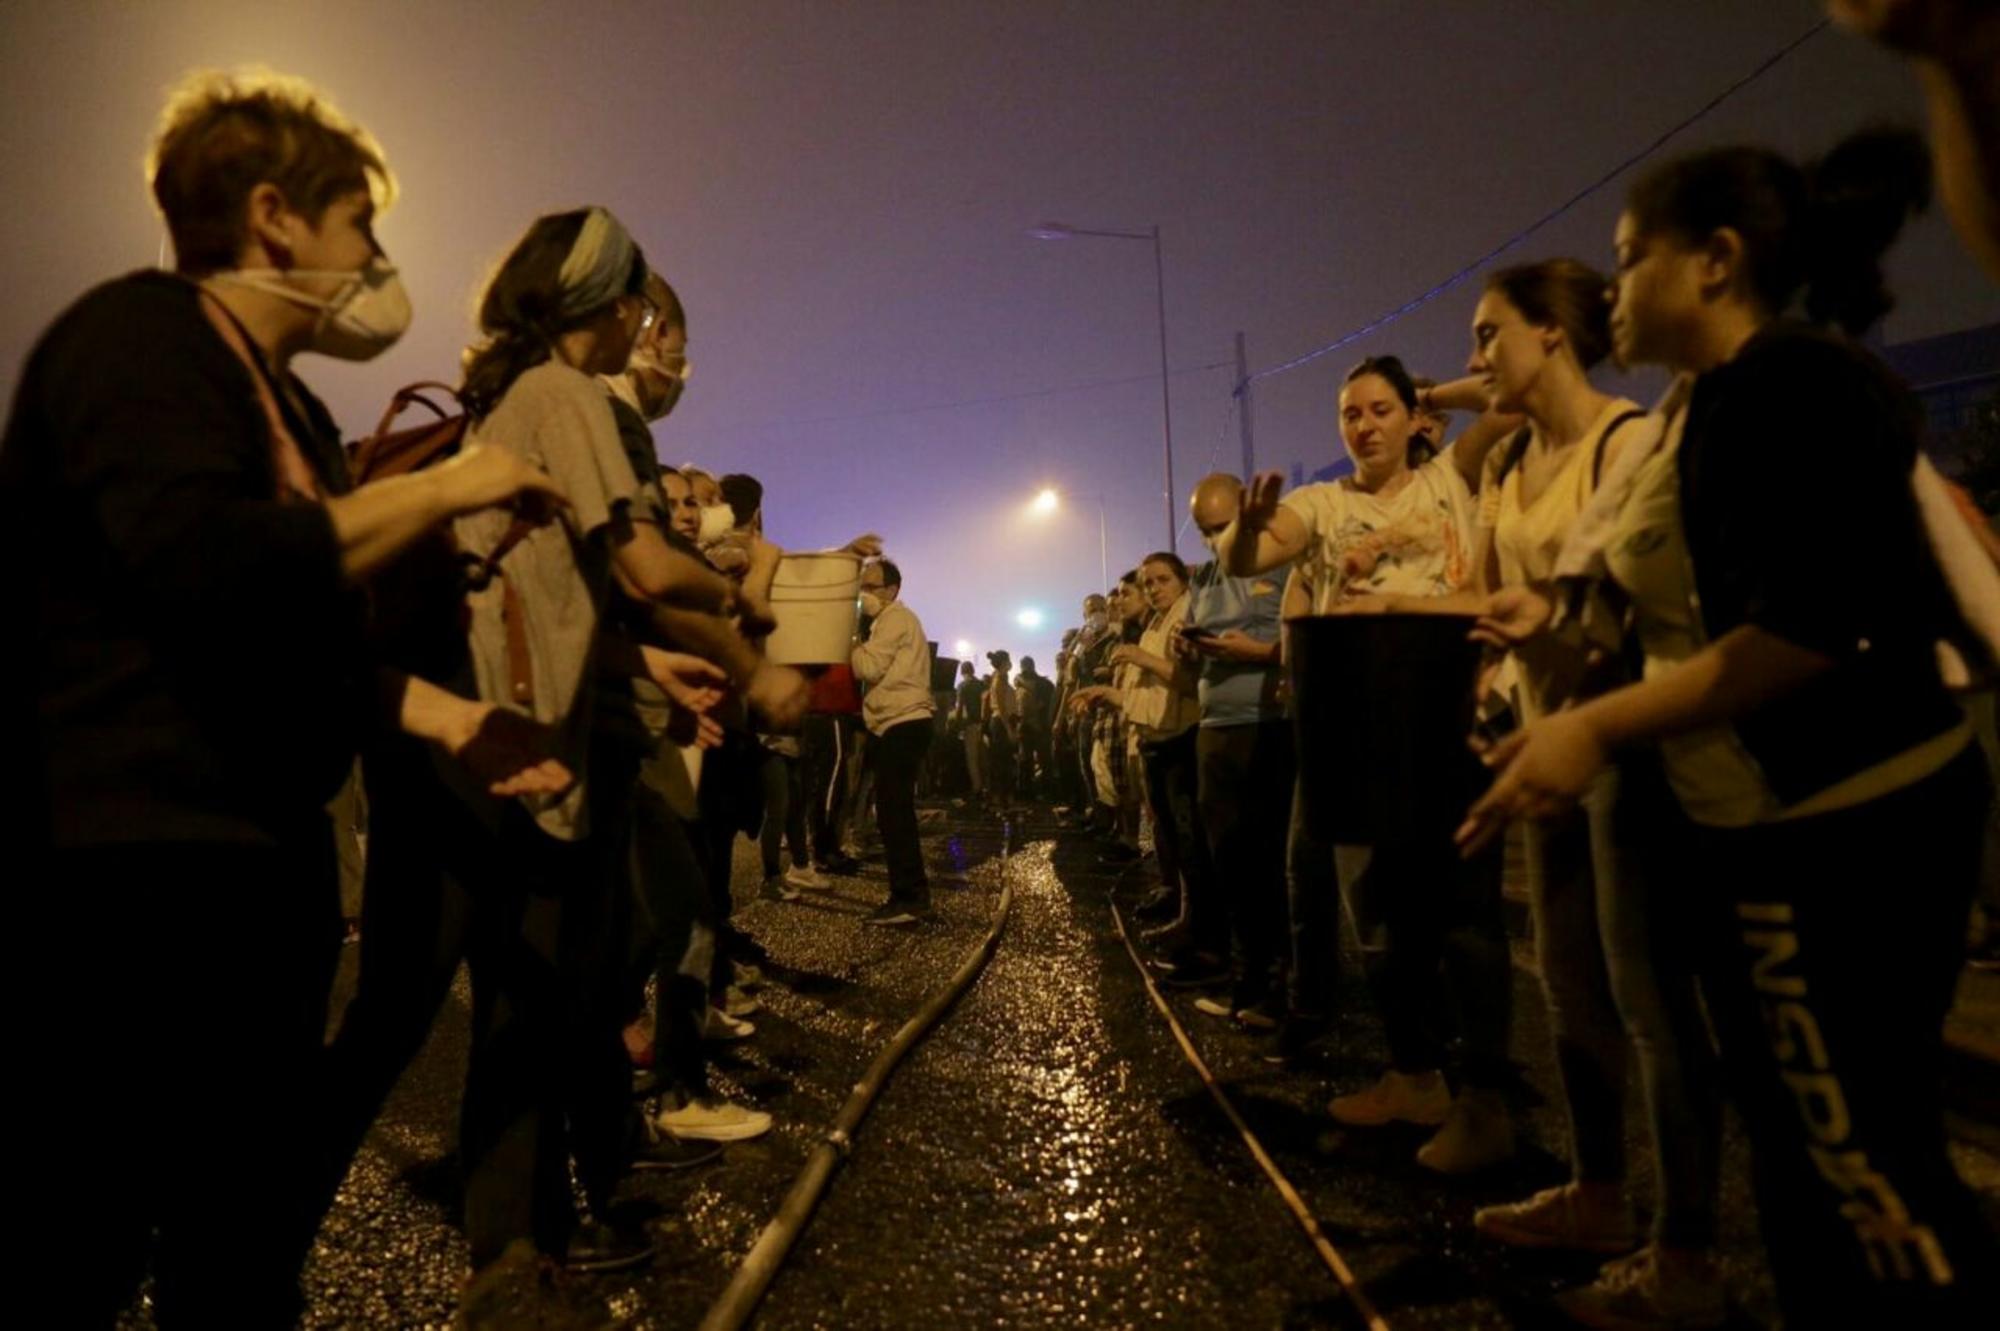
{"x":513,"y":615}
{"x":1597,"y":455}
{"x":520,"y":665}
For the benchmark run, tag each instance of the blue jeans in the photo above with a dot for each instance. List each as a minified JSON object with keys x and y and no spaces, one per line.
{"x":1617,"y":945}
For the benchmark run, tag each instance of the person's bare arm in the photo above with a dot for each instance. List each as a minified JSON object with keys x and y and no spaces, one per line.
{"x":1546,"y":767}
{"x":649,"y":569}
{"x":504,"y":749}
{"x":1146,"y":661}
{"x":1265,"y":534}
{"x":378,"y":521}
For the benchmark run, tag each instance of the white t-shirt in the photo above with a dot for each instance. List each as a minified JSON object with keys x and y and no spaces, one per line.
{"x":1415,"y":542}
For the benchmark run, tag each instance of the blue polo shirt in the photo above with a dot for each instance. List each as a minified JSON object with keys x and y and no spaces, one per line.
{"x":1233,"y":693}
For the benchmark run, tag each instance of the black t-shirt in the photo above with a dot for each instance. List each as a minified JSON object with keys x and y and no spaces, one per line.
{"x":1795,"y":489}
{"x":190,"y":653}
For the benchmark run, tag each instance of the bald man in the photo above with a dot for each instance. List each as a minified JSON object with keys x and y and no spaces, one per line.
{"x":1244,"y":762}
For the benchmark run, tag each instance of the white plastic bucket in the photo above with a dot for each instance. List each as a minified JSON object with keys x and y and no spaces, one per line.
{"x":813,"y":598}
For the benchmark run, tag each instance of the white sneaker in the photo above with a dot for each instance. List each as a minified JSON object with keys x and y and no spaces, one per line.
{"x":740,"y":1002}
{"x":722,"y":1026}
{"x":809,"y":878}
{"x":1214,"y":1007}
{"x":713,"y":1120}
{"x":746,"y":974}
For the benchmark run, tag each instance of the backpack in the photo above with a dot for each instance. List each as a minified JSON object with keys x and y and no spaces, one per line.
{"x":420,"y":613}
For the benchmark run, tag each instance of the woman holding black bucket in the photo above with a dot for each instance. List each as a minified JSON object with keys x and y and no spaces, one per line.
{"x":1801,"y":718}
{"x":1614,"y":963}
{"x":1403,"y":524}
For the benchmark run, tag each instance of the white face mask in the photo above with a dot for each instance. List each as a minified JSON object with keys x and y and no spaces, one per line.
{"x":872,"y":604}
{"x":364,"y":316}
{"x":626,"y":386}
{"x":1094,"y":621}
{"x":717,"y":521}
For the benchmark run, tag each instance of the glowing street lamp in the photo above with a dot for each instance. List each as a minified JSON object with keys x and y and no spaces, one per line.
{"x":1047,"y":501}
{"x":963,"y":648}
{"x":1029,"y":618}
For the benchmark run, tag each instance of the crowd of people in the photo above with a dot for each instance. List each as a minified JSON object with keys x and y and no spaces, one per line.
{"x":534,"y":656}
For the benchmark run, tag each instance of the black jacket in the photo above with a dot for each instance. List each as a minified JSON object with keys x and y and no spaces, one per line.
{"x":191,"y":662}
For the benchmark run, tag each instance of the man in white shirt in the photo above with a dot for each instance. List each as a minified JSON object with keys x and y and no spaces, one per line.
{"x":894,"y":661}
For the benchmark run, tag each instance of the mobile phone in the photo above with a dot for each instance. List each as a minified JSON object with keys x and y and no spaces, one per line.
{"x":1195,"y":631}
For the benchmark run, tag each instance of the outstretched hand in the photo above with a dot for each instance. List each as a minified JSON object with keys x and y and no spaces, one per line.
{"x":484,"y":476}
{"x":507,"y":751}
{"x":1511,"y":617}
{"x":1544,"y":770}
{"x":1260,"y":499}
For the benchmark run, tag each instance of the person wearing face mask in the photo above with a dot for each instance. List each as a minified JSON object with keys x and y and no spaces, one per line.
{"x":894,"y":661}
{"x":650,"y":769}
{"x":517,"y":886}
{"x":1403,"y":525}
{"x":194,"y":681}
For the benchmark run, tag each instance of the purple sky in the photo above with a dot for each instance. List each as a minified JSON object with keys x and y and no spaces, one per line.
{"x":840,"y":192}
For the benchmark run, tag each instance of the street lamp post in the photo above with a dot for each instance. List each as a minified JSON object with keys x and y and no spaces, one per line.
{"x":1048,"y":501}
{"x":1063,"y":231}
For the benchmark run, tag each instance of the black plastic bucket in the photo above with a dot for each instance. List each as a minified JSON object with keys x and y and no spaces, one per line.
{"x":1383,"y":705}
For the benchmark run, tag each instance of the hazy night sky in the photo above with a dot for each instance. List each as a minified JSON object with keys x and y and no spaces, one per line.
{"x":840,"y":190}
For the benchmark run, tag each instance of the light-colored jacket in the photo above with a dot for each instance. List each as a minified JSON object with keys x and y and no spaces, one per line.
{"x":895,"y":664}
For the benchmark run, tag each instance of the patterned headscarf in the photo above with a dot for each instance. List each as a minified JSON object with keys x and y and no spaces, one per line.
{"x":599,"y":267}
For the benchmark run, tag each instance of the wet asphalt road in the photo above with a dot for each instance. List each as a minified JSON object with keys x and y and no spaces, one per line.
{"x":1045,"y":1158}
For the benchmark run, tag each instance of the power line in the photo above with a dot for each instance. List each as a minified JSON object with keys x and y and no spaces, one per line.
{"x":1080,"y":387}
{"x":1462,"y":274}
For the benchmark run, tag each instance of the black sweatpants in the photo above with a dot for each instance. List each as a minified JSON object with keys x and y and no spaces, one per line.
{"x":179,"y":1003}
{"x":1844,"y":936}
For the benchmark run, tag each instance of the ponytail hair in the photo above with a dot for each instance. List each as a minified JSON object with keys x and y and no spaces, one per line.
{"x":1820,"y":229}
{"x":1565,"y":294}
{"x":1391,"y":371}
{"x":522,"y":311}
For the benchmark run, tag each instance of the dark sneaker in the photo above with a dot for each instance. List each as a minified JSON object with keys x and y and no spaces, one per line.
{"x":597,"y":1246}
{"x":1163,"y":906}
{"x":523,"y":1291}
{"x":845,"y":865}
{"x":1190,"y":969}
{"x":1259,"y":1016}
{"x":897,"y":912}
{"x":1297,"y":1033}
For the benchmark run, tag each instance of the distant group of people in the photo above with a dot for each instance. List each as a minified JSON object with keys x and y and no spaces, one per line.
{"x":1751,"y":789}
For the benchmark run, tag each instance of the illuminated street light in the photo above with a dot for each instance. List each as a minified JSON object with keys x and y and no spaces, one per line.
{"x":1048,"y":500}
{"x":1030,"y":618}
{"x":963,"y":648}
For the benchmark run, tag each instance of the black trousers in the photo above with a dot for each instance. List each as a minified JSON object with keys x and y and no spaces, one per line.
{"x":1843,"y":937}
{"x":675,"y":943}
{"x":1246,"y":809}
{"x":1430,"y":927}
{"x":1173,"y":790}
{"x":898,"y":755}
{"x":194,"y":977}
{"x":444,"y":888}
{"x":784,"y":813}
{"x":827,"y":752}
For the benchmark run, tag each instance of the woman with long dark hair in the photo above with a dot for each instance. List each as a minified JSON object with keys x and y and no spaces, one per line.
{"x":1836,"y":797}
